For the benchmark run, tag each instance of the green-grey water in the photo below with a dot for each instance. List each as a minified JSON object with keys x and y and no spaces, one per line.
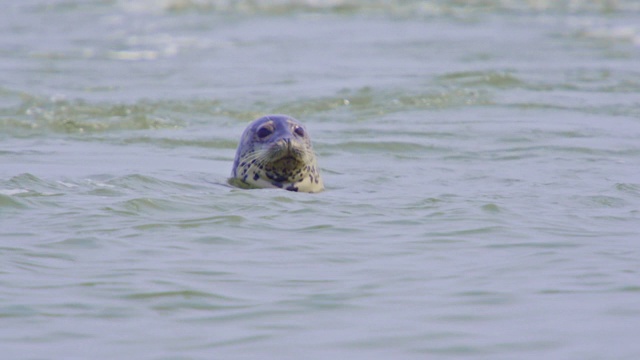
{"x":481,"y":162}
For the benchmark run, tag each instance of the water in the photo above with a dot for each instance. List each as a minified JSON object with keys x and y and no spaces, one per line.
{"x":481,"y":163}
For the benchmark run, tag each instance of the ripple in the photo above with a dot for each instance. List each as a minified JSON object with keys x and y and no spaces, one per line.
{"x":482,"y":78}
{"x":375,"y":102}
{"x":9,"y":201}
{"x":75,"y":243}
{"x":388,"y":7}
{"x":141,"y":182}
{"x":185,"y":294}
{"x":601,"y":201}
{"x":37,"y":115}
{"x":383,"y":146}
{"x":174,"y":143}
{"x":534,"y":245}
{"x":147,"y":205}
{"x":631,"y":189}
{"x":28,"y":185}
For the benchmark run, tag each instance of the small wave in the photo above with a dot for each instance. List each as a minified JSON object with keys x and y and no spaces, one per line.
{"x":394,"y":7}
{"x":36,"y":114}
{"x":174,"y":142}
{"x":378,"y":102}
{"x":165,"y":294}
{"x":601,"y":201}
{"x":631,"y":189}
{"x":140,"y":182}
{"x":29,"y":185}
{"x":8,"y":201}
{"x":629,"y":34}
{"x":496,"y":79}
{"x":11,"y":192}
{"x":383,"y":146}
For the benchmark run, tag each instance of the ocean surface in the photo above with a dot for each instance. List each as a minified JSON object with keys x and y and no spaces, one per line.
{"x":481,"y":162}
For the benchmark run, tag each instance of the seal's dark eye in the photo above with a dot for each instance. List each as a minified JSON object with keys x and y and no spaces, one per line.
{"x":299,"y":131}
{"x":264,"y":132}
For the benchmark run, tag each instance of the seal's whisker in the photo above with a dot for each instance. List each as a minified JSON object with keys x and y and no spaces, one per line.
{"x":252,"y":156}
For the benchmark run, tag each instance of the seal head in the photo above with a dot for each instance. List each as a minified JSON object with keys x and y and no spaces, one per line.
{"x":275,"y":152}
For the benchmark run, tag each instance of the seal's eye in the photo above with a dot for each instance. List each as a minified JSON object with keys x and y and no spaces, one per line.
{"x":263,"y":132}
{"x":299,"y":131}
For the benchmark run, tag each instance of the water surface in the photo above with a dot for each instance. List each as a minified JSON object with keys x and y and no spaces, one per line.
{"x":481,"y":163}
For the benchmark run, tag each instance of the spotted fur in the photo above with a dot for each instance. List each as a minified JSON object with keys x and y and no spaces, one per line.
{"x":275,"y":152}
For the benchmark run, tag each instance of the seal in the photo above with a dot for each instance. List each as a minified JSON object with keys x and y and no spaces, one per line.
{"x":275,"y":152}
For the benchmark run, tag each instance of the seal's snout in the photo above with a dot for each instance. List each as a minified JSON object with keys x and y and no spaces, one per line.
{"x":286,"y":145}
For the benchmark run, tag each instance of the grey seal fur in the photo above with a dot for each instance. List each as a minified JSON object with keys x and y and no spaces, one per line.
{"x":275,"y":152}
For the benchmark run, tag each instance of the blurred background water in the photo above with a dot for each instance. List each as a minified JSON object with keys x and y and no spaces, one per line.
{"x":481,"y":160}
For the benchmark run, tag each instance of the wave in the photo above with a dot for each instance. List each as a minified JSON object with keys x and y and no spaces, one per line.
{"x":37,"y":114}
{"x":394,"y":7}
